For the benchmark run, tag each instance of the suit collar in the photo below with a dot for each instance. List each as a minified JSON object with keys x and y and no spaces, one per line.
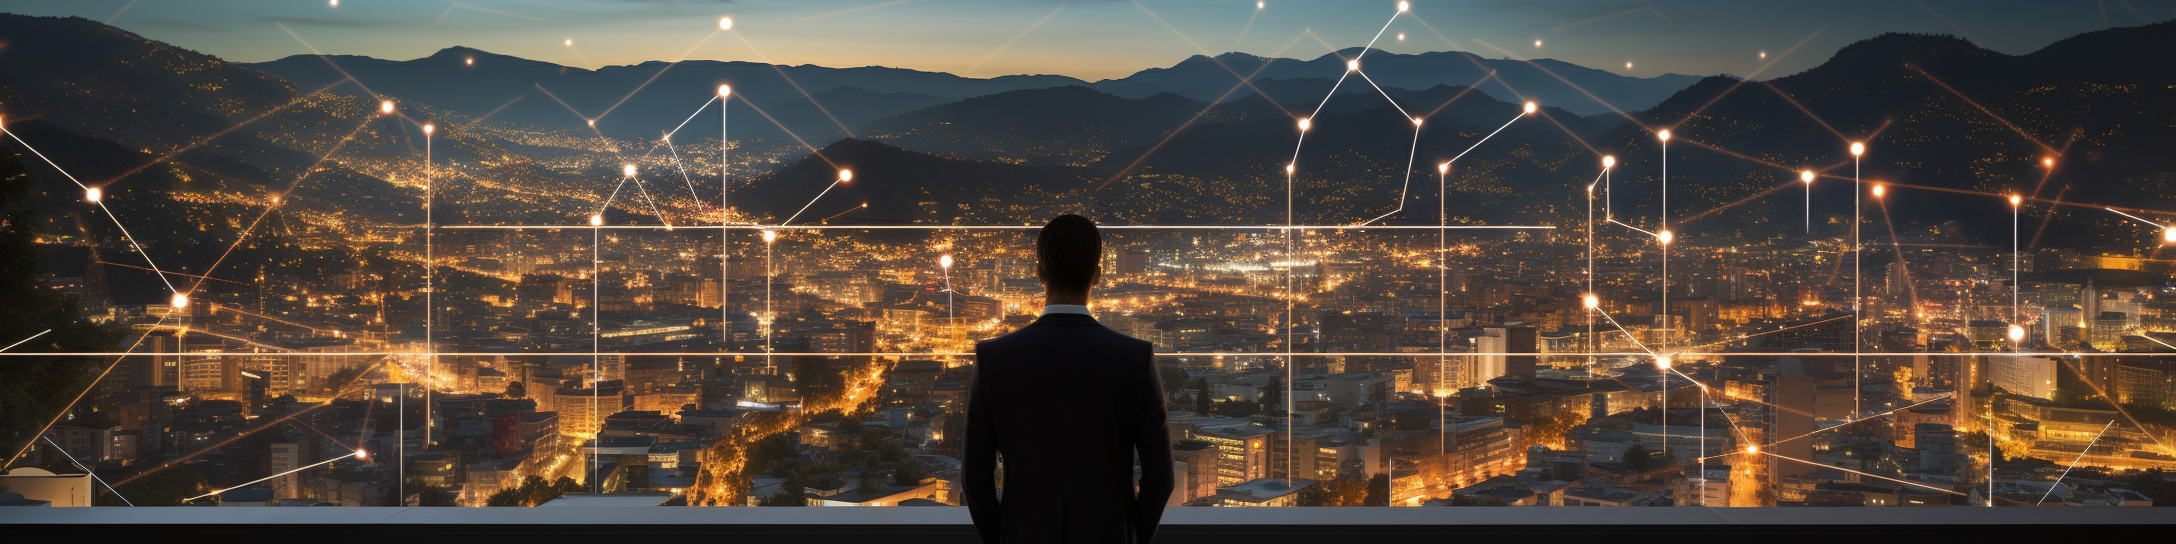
{"x":1066,"y":320}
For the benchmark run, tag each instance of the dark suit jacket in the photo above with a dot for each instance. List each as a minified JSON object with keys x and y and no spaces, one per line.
{"x":1069,"y":403}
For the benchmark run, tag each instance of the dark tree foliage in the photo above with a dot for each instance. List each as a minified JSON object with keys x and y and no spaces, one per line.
{"x":1273,"y":395}
{"x":1201,"y":396}
{"x":1336,"y":492}
{"x":37,"y":389}
{"x":1378,"y":492}
{"x":516,"y":390}
{"x":533,"y":491}
{"x":168,"y":487}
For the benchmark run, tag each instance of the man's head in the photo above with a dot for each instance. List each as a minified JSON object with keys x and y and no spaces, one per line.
{"x":1069,"y":256}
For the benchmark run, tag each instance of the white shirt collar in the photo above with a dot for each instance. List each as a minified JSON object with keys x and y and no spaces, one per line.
{"x":1081,"y":309}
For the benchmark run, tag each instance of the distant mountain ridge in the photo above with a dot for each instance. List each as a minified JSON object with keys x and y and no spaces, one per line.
{"x":1205,"y":78}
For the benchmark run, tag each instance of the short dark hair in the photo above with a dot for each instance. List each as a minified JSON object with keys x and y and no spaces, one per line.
{"x":1069,"y":253}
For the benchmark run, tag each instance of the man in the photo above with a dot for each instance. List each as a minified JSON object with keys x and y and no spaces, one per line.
{"x":1068,"y":403}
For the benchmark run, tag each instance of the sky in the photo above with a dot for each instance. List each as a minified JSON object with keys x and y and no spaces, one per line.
{"x":1097,"y":39}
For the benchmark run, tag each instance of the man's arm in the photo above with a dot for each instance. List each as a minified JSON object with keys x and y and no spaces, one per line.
{"x":981,"y":462}
{"x":1152,"y":443}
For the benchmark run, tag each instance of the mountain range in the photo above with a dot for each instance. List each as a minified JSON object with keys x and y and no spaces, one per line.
{"x":1953,"y":126}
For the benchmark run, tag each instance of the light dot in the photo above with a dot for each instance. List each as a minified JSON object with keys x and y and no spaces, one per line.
{"x":1530,"y":107}
{"x":725,"y":91}
{"x":725,"y":23}
{"x":1764,"y":55}
{"x":1288,"y":168}
{"x":275,"y":199}
{"x":1306,"y":124}
{"x":334,"y":3}
{"x":1805,"y":176}
{"x":471,"y":61}
{"x":596,"y":220}
{"x":770,"y":236}
{"x":1444,"y":168}
{"x":944,"y":261}
{"x":1857,"y":149}
{"x":1416,"y":121}
{"x":179,"y":301}
{"x":1628,"y":66}
{"x":627,"y":170}
{"x":1537,"y":43}
{"x":1662,"y":362}
{"x":93,"y":194}
{"x":2017,"y":333}
{"x":1666,"y":237}
{"x":2168,"y":236}
{"x":2048,"y":162}
{"x":1352,"y":65}
{"x":570,"y":42}
{"x":592,"y":122}
{"x":1664,"y":135}
{"x":1402,"y":6}
{"x":385,"y":107}
{"x":1752,"y":449}
{"x":1260,"y":5}
{"x":1401,"y":36}
{"x":428,"y":129}
{"x":359,"y":454}
{"x":846,"y":175}
{"x":2016,"y":200}
{"x":1880,"y":190}
{"x":1609,"y":161}
{"x":1592,"y":302}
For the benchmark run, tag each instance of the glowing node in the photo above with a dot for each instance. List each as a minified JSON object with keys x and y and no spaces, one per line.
{"x":1609,"y":161}
{"x":1752,"y":449}
{"x":1764,"y":55}
{"x":93,"y":195}
{"x":1662,"y":362}
{"x":770,"y":236}
{"x":725,"y":91}
{"x":1664,"y":135}
{"x":1858,"y":148}
{"x":596,"y":220}
{"x":2168,"y":236}
{"x":725,"y":23}
{"x":1880,"y":190}
{"x":275,"y":199}
{"x":1288,"y":168}
{"x":944,"y":261}
{"x":570,"y":42}
{"x":1259,"y":5}
{"x":1402,"y":6}
{"x":1805,"y":176}
{"x":846,"y":175}
{"x":1306,"y":124}
{"x":471,"y":61}
{"x":360,"y":454}
{"x":592,"y":123}
{"x":2017,"y":333}
{"x":1627,"y":65}
{"x":1401,"y":36}
{"x":1352,"y":65}
{"x":1591,"y":302}
{"x":1531,"y":107}
{"x":1537,"y":43}
{"x":1665,"y":237}
{"x":1444,"y":168}
{"x":385,"y":107}
{"x":334,"y":3}
{"x":2016,"y":200}
{"x":180,"y":301}
{"x":1416,"y":121}
{"x":627,"y":170}
{"x":2048,"y":162}
{"x":428,"y":128}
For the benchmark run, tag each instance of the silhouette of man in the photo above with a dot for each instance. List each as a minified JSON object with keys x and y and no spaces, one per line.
{"x":1068,"y":403}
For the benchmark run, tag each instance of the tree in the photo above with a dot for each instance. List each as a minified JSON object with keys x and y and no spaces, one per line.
{"x":430,"y":495}
{"x":1378,"y":492}
{"x":1335,"y":492}
{"x":515,"y":390}
{"x":785,"y":497}
{"x":168,"y":487}
{"x":37,"y":389}
{"x":909,"y":473}
{"x":1201,"y":396}
{"x":533,"y":491}
{"x":870,"y":485}
{"x":1638,"y":459}
{"x":1273,"y":395}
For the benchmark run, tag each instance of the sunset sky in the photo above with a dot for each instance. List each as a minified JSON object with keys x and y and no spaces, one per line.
{"x":1093,"y":39}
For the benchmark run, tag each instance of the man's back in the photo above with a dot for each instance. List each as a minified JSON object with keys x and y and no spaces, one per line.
{"x":1068,"y":403}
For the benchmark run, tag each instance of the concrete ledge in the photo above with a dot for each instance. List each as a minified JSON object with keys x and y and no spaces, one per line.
{"x":951,"y":524}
